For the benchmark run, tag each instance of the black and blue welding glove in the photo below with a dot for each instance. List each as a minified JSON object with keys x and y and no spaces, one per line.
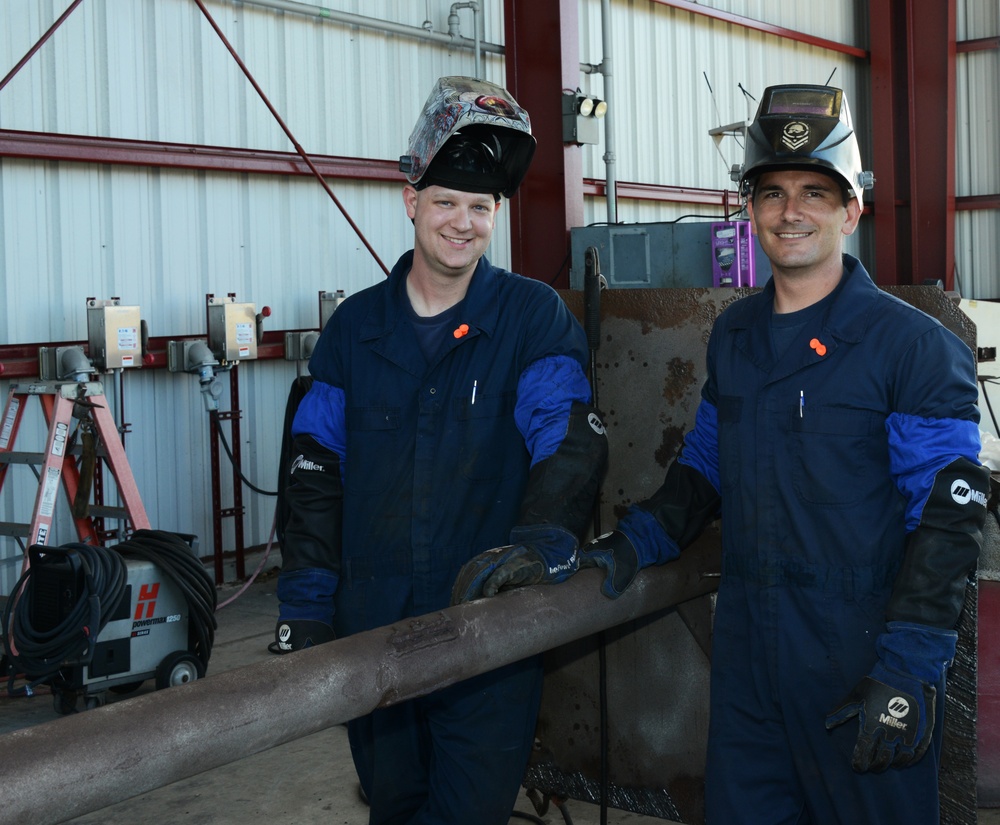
{"x":640,"y":541}
{"x":540,"y":554}
{"x":895,"y":704}
{"x":306,"y":609}
{"x":298,"y":634}
{"x":616,"y":555}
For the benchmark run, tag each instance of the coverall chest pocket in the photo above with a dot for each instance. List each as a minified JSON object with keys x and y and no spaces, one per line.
{"x":491,"y":445}
{"x":839,"y":457}
{"x":373,"y":446}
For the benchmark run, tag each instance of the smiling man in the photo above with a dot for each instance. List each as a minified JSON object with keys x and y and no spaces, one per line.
{"x":837,"y":436}
{"x":448,"y":429}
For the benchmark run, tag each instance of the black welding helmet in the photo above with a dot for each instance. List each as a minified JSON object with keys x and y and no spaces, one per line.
{"x":804,"y":127}
{"x":471,"y":136}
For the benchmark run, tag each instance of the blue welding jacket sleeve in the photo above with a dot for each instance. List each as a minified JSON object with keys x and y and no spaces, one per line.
{"x":919,"y":448}
{"x":321,"y":414}
{"x":701,"y":444}
{"x":307,"y":594}
{"x":546,"y":392}
{"x":311,"y":549}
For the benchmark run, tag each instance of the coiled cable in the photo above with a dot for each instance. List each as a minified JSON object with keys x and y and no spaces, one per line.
{"x":41,"y":653}
{"x":173,"y":556}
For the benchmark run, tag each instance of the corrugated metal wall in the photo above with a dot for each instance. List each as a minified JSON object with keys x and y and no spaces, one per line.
{"x":164,"y":238}
{"x":977,"y":149}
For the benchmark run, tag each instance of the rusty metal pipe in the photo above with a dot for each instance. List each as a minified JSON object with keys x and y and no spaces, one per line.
{"x":85,"y":762}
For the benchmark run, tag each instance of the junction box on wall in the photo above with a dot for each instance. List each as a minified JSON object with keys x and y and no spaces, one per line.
{"x":232,"y":329}
{"x":114,"y":334}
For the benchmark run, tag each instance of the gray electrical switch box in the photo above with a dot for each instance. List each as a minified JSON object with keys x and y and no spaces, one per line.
{"x":232,"y":329}
{"x":113,"y":333}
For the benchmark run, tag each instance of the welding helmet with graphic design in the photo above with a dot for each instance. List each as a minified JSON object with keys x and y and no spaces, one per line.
{"x":471,"y":136}
{"x":804,"y":127}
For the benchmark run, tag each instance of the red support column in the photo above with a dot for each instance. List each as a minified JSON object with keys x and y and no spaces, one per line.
{"x":543,"y":58}
{"x":932,"y":164}
{"x":913,"y":139}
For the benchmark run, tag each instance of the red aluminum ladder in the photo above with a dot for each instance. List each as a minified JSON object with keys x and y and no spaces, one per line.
{"x":61,"y":402}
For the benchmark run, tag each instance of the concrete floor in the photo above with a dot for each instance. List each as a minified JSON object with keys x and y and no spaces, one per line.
{"x":307,"y":781}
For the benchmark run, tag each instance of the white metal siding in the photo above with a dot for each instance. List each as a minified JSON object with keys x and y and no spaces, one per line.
{"x":662,"y":106}
{"x":977,"y":152}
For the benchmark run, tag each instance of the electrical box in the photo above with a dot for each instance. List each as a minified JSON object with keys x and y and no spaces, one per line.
{"x":113,"y":334}
{"x":232,"y":329}
{"x":656,"y":255}
{"x":328,"y":303}
{"x":732,"y":254}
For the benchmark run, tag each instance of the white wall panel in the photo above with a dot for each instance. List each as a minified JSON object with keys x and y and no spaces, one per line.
{"x":662,"y":105}
{"x":977,"y":151}
{"x":844,"y":22}
{"x":977,"y":247}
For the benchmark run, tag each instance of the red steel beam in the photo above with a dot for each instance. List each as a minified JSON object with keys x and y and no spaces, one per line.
{"x":981,"y":44}
{"x":543,"y":59}
{"x":21,"y":360}
{"x":932,"y":134}
{"x":83,"y":149}
{"x":913,"y":88}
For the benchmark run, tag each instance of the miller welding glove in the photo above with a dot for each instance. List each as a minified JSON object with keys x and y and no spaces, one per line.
{"x":305,"y":610}
{"x":298,"y":634}
{"x":895,"y":704}
{"x":616,"y":555}
{"x":541,"y":554}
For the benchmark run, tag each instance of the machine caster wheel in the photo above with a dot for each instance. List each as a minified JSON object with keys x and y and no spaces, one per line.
{"x":94,"y":701}
{"x":64,"y":701}
{"x":179,"y":668}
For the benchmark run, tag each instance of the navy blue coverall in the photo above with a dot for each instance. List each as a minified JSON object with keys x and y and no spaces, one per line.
{"x":822,"y":459}
{"x":435,"y":458}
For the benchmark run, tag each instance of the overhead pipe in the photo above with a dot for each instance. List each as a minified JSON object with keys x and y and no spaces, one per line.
{"x":351,"y":19}
{"x":605,"y":69}
{"x":609,"y":117}
{"x":104,"y":754}
{"x":453,"y":29}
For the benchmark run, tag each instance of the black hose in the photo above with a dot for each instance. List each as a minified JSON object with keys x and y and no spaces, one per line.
{"x":232,"y":460}
{"x":41,"y":654}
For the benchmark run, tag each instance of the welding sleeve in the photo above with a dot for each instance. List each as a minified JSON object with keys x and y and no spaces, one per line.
{"x":942,"y":550}
{"x":312,"y":549}
{"x":687,"y":501}
{"x":568,"y":444}
{"x":934,"y":449}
